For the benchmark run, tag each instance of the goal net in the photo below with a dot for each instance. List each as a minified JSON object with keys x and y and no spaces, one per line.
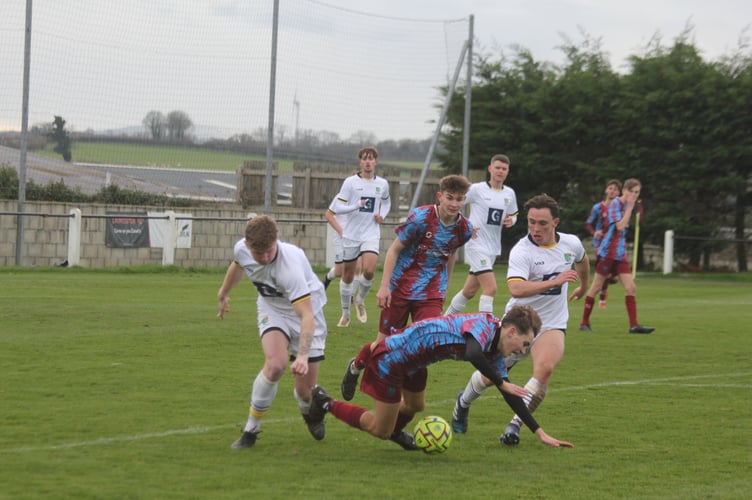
{"x":341,"y":75}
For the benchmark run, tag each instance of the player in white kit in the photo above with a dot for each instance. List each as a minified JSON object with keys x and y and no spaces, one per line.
{"x":493,"y":207}
{"x":541,"y":266}
{"x":365,"y":197}
{"x":290,"y":320}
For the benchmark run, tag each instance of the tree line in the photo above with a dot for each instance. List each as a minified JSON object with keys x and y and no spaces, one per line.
{"x":679,"y":123}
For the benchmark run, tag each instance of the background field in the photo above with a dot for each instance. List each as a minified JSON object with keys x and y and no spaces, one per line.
{"x":160,"y":156}
{"x":181,"y":156}
{"x":123,"y":384}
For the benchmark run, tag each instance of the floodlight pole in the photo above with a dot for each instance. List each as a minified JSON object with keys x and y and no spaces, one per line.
{"x":439,"y":124}
{"x":468,"y":99}
{"x":270,"y":131}
{"x":24,"y":138}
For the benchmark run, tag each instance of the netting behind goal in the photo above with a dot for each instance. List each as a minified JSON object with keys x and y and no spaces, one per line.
{"x":341,"y":74}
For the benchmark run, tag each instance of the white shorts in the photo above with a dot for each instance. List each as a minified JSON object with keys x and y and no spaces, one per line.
{"x":339,"y":253}
{"x":269,"y":319}
{"x":352,"y":249}
{"x":479,"y":262}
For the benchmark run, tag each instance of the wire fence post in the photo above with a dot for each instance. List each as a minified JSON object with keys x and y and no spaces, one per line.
{"x":74,"y":237}
{"x":170,"y":239}
{"x":668,"y":251}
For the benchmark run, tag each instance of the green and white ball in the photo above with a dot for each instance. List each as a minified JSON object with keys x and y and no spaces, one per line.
{"x":433,"y":435}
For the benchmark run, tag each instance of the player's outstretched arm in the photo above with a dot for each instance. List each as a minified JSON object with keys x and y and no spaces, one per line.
{"x":513,"y":389}
{"x":233,"y":275}
{"x":551,"y":441}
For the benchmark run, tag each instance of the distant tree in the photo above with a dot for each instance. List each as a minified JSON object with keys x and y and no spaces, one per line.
{"x":738,"y":70}
{"x":41,"y":129}
{"x":363,"y":138}
{"x":60,"y":137}
{"x":155,"y":123}
{"x":328,"y":137}
{"x":178,"y":125}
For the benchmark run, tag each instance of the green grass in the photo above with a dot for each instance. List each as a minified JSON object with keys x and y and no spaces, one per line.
{"x":161,"y":156}
{"x":178,"y":156}
{"x":123,"y":384}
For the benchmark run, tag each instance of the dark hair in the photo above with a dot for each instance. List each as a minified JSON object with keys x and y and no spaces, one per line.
{"x":366,"y":151}
{"x":500,"y":157}
{"x":525,"y":318}
{"x":454,"y":184}
{"x":261,"y":233}
{"x":543,"y":201}
{"x":615,"y":182}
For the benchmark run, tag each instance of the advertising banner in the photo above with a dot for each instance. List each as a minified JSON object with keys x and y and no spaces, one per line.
{"x":127,"y":230}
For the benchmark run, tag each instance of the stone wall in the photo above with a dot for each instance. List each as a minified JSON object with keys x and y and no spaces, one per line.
{"x":214,"y":233}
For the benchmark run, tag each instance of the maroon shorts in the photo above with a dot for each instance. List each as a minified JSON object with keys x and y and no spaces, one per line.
{"x":611,"y":267}
{"x":388,"y":388}
{"x":396,"y":315}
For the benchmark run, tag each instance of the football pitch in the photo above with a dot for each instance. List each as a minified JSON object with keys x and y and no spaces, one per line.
{"x":123,"y":384}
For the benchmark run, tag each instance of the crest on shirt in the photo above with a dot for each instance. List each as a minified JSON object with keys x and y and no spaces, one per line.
{"x":568,"y":257}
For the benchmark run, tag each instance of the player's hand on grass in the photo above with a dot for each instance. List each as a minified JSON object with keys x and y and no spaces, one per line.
{"x":552,"y":441}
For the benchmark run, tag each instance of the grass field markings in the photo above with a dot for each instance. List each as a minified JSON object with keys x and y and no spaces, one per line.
{"x":710,"y":386}
{"x":201,"y":429}
{"x":204,"y":429}
{"x":656,"y":381}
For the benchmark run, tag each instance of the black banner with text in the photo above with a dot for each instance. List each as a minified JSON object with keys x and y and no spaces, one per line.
{"x":127,"y":230}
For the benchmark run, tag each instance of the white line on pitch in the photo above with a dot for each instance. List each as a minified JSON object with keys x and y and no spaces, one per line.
{"x":204,"y":429}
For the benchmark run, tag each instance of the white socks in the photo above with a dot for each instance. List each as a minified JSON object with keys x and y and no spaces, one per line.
{"x":263,"y":393}
{"x":363,"y":289}
{"x":458,"y":304}
{"x":536,"y":393}
{"x":345,"y":295}
{"x":473,"y":390}
{"x":486,"y":304}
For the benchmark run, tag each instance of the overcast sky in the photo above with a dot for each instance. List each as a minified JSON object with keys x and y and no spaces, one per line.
{"x":344,"y":65}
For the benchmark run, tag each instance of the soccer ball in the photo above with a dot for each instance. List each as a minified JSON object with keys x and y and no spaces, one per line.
{"x":433,"y":435}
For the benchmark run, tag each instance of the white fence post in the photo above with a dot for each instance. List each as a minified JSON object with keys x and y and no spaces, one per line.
{"x":170,"y":239}
{"x":668,"y":251}
{"x":74,"y":237}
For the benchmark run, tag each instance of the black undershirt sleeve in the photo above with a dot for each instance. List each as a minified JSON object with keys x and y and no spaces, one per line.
{"x":518,"y":405}
{"x":474,"y":354}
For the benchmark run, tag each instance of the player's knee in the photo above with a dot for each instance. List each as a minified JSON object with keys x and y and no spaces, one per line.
{"x":543,"y":370}
{"x":274,"y":369}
